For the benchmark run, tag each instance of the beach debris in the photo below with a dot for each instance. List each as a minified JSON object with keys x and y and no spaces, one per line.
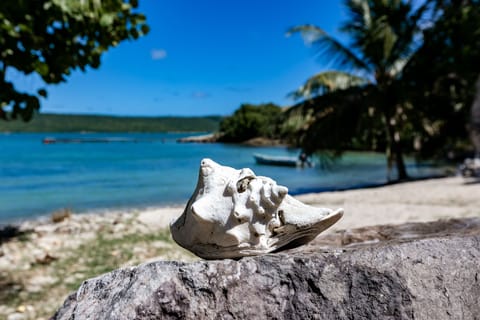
{"x":61,"y":215}
{"x":43,"y":257}
{"x":234,"y":213}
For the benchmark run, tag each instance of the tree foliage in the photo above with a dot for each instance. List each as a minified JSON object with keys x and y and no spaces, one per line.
{"x":51,"y":38}
{"x":402,"y":77}
{"x":440,"y":80}
{"x":251,"y":121}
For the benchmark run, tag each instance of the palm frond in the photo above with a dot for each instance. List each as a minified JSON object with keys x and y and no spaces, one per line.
{"x":328,"y":48}
{"x":409,"y":32}
{"x":387,"y":42}
{"x":397,"y":67}
{"x":336,"y":118}
{"x":384,"y":31}
{"x":362,"y":20}
{"x":327,"y":81}
{"x":359,"y":13}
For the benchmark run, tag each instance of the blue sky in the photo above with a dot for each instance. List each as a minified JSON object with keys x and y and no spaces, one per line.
{"x":200,"y":58}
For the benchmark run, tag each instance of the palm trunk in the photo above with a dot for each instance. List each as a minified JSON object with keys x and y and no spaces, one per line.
{"x":396,"y":152}
{"x":393,"y":136}
{"x":399,"y":162}
{"x":475,"y":120}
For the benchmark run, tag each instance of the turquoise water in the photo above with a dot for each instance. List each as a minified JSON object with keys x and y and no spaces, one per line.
{"x":37,"y":178}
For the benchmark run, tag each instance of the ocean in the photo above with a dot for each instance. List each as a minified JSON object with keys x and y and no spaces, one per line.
{"x":135,"y":171}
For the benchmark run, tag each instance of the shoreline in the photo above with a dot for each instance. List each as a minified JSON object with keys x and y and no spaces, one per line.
{"x":46,"y":217}
{"x":367,"y":185}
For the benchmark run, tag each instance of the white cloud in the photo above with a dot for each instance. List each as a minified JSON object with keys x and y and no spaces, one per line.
{"x":200,"y":95}
{"x":158,"y":54}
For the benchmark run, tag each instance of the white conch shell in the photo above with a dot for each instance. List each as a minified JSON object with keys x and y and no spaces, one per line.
{"x":234,"y":213}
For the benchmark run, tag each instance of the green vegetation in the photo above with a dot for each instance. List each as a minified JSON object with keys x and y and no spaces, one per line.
{"x":51,"y":38}
{"x":252,"y":121}
{"x":91,"y":123}
{"x":442,"y":75}
{"x":107,"y":253}
{"x":403,"y":84}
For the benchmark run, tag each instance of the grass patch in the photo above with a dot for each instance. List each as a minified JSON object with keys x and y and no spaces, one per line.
{"x":9,"y":289}
{"x":106,"y":253}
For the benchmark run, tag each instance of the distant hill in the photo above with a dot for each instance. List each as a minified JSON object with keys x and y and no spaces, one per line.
{"x":95,"y":123}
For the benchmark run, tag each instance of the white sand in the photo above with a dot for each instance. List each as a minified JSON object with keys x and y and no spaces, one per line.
{"x":159,"y":217}
{"x":418,"y":201}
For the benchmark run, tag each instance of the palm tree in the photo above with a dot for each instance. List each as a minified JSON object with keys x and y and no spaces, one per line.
{"x":446,"y":76}
{"x":365,"y":97}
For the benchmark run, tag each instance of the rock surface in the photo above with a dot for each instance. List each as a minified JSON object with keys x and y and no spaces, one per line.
{"x":427,"y":271}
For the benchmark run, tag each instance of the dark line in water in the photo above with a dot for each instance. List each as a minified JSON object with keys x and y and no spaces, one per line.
{"x":300,"y":191}
{"x":97,"y":140}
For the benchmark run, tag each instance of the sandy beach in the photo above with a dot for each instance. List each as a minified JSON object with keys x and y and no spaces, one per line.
{"x":56,"y":257}
{"x":419,"y":201}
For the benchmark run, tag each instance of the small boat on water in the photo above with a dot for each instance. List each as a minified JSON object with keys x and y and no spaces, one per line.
{"x":277,"y":160}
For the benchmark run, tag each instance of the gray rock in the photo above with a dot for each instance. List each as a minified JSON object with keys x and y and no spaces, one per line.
{"x":434,"y":277}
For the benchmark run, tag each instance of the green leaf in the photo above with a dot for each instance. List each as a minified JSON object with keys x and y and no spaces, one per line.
{"x":134,"y":33}
{"x":42,"y":92}
{"x":145,"y":29}
{"x":107,"y":19}
{"x":41,"y":68}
